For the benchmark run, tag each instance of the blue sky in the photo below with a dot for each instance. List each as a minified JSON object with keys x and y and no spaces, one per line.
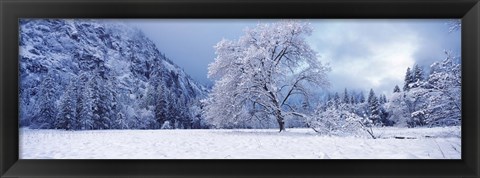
{"x":363,"y":54}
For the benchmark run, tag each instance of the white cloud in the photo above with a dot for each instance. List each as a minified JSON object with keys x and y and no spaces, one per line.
{"x":365,"y":54}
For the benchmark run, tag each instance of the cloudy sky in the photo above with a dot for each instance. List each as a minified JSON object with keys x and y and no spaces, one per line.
{"x":363,"y":54}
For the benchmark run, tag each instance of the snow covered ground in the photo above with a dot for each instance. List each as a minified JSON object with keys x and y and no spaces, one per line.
{"x":419,"y":143}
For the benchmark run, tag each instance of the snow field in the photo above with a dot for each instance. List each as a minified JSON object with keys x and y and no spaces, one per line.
{"x":441,"y":143}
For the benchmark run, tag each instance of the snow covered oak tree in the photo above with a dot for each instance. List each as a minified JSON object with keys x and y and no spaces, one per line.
{"x":258,"y":74}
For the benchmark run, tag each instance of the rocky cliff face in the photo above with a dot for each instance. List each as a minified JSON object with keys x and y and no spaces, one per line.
{"x":90,"y":58}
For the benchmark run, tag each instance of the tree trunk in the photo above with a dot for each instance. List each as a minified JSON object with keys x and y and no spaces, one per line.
{"x":282,"y":126}
{"x":280,"y":120}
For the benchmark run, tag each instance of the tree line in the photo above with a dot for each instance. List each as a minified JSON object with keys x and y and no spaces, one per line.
{"x":94,"y":100}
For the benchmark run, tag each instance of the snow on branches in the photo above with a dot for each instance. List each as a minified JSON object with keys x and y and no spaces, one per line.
{"x":431,"y":101}
{"x":257,"y":74}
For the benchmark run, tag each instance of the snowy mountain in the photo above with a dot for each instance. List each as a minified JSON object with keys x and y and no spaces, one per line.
{"x":97,"y":74}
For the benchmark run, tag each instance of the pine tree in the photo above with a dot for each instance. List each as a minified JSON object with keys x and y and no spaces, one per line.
{"x":329,"y":102}
{"x":84,"y":108}
{"x":67,"y":118}
{"x":371,"y":96}
{"x":172,"y":111}
{"x":375,"y":114}
{"x":183,"y":119}
{"x":417,"y":74}
{"x":103,"y":102}
{"x":161,"y":106}
{"x":336,"y":99}
{"x":122,"y":121}
{"x":97,"y":107}
{"x":346,"y":99}
{"x":396,"y":89}
{"x":408,"y":80}
{"x":374,"y":108}
{"x":47,"y":110}
{"x":361,"y":98}
{"x":149,"y":98}
{"x":382,"y":99}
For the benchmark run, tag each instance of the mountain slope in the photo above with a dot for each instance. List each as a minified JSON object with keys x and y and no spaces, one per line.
{"x":105,"y":70}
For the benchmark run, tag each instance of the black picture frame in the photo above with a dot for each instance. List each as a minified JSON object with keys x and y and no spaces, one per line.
{"x":12,"y":10}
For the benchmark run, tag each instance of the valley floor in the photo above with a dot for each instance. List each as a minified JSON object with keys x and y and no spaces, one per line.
{"x":418,"y":143}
